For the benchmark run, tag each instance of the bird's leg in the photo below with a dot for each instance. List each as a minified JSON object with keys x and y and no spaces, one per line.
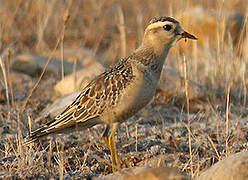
{"x":109,"y":140}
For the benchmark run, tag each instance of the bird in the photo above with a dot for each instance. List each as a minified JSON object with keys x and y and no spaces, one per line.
{"x":122,"y":90}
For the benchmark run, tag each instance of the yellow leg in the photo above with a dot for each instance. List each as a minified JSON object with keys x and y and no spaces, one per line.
{"x":109,"y":140}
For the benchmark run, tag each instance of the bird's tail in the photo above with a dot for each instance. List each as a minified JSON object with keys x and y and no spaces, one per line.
{"x":55,"y":128}
{"x":35,"y":135}
{"x":57,"y":125}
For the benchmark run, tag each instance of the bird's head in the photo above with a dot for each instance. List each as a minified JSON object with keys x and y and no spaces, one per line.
{"x":164,"y":32}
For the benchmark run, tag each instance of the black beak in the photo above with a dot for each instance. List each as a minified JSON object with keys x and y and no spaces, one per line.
{"x":187,"y":35}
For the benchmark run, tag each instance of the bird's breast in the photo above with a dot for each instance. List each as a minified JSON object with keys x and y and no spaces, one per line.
{"x":133,"y":98}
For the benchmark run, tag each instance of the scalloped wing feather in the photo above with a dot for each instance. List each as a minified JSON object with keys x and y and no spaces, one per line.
{"x":102,"y":92}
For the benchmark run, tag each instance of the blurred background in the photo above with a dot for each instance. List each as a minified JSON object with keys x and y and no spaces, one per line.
{"x":112,"y":29}
{"x":73,"y":41}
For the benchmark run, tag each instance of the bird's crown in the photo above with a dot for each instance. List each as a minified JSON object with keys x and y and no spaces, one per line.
{"x":162,"y":19}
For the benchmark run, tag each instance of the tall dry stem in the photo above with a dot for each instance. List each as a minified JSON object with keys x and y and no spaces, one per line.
{"x":227,"y":121}
{"x":186,"y":79}
{"x":43,"y":21}
{"x":44,"y":69}
{"x":65,"y":21}
{"x":3,"y":68}
{"x":121,"y":27}
{"x":9,"y":78}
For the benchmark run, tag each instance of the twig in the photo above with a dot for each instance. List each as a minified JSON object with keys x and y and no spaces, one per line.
{"x":65,"y":21}
{"x":9,"y":78}
{"x":29,"y":125}
{"x":44,"y":69}
{"x":43,"y":72}
{"x":5,"y":82}
{"x":127,"y":132}
{"x":213,"y":146}
{"x":60,"y":160}
{"x":136,"y":138}
{"x":121,"y":28}
{"x":187,"y":106}
{"x":227,"y":120}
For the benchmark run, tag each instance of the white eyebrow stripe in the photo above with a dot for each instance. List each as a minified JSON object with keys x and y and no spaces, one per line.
{"x":158,"y":24}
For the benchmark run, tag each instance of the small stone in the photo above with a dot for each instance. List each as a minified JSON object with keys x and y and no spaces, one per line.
{"x":33,"y":64}
{"x":155,"y":149}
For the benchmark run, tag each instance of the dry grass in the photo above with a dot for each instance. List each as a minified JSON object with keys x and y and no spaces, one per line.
{"x":192,"y":141}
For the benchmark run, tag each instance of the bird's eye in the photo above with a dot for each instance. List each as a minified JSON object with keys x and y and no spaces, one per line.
{"x":167,"y":27}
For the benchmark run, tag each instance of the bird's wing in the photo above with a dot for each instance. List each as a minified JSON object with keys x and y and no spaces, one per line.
{"x":103,"y":91}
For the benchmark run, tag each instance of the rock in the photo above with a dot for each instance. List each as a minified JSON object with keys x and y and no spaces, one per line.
{"x":145,"y":173}
{"x":171,"y":81}
{"x":33,"y":64}
{"x":19,"y":83}
{"x":232,"y":167}
{"x":83,"y":55}
{"x":73,"y":82}
{"x":172,"y":84}
{"x":162,"y":173}
{"x":123,"y":173}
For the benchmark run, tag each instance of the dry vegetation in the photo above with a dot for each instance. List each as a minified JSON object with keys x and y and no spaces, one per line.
{"x":191,"y":141}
